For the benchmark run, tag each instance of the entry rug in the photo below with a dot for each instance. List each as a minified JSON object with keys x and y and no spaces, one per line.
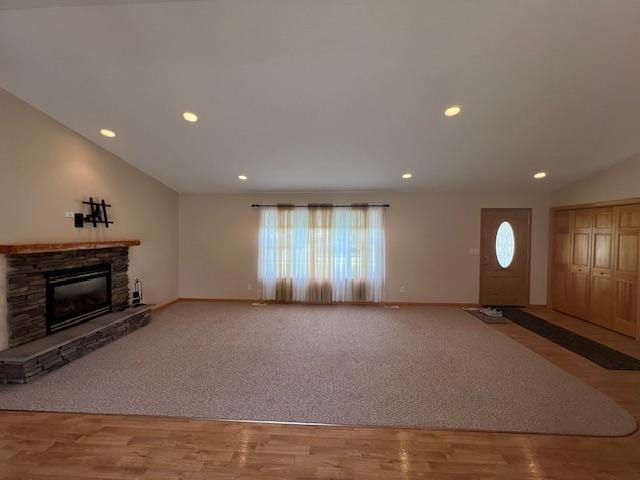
{"x":596,"y":352}
{"x":486,"y":318}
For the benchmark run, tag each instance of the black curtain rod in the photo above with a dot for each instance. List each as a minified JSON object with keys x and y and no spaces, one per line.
{"x":332,"y":205}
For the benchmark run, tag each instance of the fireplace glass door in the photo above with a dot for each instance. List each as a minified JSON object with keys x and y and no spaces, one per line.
{"x":77,"y":295}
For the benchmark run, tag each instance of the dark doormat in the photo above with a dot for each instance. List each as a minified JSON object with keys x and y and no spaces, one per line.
{"x":487,"y":318}
{"x":596,"y":352}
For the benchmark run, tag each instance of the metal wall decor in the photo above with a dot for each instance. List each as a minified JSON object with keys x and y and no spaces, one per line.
{"x":97,"y":214}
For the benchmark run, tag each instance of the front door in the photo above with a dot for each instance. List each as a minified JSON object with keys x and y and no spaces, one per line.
{"x":505,"y":244}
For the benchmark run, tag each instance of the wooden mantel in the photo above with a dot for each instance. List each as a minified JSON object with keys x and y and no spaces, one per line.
{"x":19,"y":249}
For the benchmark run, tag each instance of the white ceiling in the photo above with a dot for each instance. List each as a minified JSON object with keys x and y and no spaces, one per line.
{"x":338,"y":94}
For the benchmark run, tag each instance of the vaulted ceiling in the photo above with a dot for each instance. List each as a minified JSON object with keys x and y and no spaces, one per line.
{"x":337,"y":94}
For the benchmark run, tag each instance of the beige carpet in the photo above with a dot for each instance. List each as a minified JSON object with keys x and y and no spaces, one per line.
{"x":414,"y":367}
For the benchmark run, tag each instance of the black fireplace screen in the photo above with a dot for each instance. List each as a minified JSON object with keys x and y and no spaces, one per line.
{"x":77,"y":295}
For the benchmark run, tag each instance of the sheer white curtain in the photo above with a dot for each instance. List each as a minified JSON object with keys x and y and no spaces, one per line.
{"x":283,"y":267}
{"x":322,"y":254}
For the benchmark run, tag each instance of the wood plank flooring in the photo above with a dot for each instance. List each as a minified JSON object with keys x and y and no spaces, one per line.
{"x":54,"y":446}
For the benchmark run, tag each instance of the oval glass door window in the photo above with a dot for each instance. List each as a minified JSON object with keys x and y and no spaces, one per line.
{"x":505,"y":244}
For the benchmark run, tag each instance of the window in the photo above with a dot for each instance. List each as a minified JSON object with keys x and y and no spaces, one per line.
{"x":321,"y":254}
{"x":505,"y":244}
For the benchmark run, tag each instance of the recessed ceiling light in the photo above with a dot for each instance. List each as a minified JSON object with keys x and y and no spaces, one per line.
{"x":108,"y":133}
{"x":540,"y":175}
{"x":453,"y":110}
{"x":190,"y":117}
{"x":242,"y":177}
{"x":407,"y":175}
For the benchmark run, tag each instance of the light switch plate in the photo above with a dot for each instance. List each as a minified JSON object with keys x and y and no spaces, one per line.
{"x":474,"y":251}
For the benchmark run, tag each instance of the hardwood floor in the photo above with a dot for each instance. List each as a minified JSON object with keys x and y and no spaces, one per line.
{"x":52,"y":446}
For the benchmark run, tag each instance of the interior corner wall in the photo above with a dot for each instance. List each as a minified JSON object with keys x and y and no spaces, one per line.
{"x":429,"y":240}
{"x":619,"y":182}
{"x":47,"y":169}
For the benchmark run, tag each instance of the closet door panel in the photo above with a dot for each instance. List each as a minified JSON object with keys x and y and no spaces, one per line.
{"x":583,"y":219}
{"x":630,"y":217}
{"x":602,"y":250}
{"x":579,"y":284}
{"x":602,"y":298}
{"x":560,"y":276}
{"x":604,"y":218}
{"x":627,"y":253}
{"x":562,"y":249}
{"x":580,"y":265}
{"x":626,"y":305}
{"x":580,"y":255}
{"x":627,"y":275}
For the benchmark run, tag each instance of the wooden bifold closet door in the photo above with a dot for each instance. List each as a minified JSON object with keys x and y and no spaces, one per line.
{"x":602,"y":276}
{"x":627,"y":266}
{"x":594,"y":265}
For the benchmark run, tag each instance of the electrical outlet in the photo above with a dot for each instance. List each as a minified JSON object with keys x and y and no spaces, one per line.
{"x":402,"y":289}
{"x":249,"y":287}
{"x":69,"y":214}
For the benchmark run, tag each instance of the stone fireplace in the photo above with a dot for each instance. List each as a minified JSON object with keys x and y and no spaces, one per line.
{"x":60,"y":301}
{"x":29,"y":278}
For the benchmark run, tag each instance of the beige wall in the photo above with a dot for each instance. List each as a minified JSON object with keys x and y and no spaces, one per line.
{"x":618,"y":182}
{"x":207,"y":243}
{"x":47,"y":169}
{"x":429,"y":237}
